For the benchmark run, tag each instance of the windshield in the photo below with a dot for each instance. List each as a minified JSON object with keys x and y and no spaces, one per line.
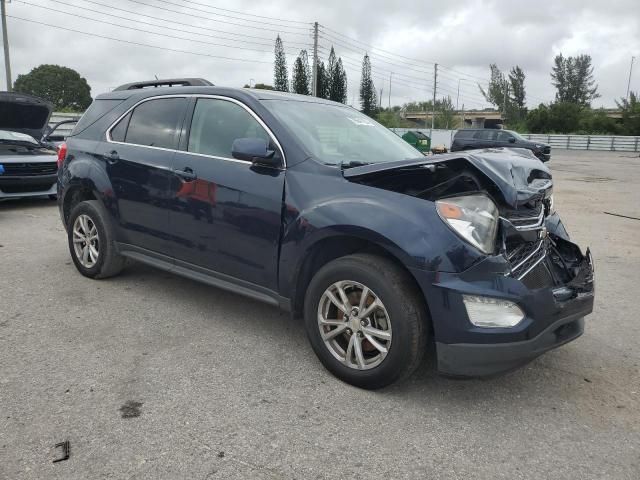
{"x":339,"y":135}
{"x":7,"y":136}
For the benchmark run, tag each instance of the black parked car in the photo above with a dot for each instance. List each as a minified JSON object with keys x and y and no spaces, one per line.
{"x":474,"y":138}
{"x":309,"y":205}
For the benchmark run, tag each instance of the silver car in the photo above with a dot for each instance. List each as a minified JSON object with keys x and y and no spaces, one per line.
{"x":28,"y":165}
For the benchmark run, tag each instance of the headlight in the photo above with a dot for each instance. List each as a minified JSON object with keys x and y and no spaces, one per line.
{"x":473,"y":217}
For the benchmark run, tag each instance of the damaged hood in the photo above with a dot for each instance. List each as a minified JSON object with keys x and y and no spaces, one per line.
{"x":24,"y":114}
{"x":519,"y":176}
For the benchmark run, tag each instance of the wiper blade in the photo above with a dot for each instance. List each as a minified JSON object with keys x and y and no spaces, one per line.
{"x":353,"y":163}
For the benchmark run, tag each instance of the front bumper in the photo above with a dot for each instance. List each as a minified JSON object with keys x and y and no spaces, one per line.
{"x":554,"y":312}
{"x":27,"y":186}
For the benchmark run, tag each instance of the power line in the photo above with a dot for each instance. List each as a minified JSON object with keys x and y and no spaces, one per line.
{"x":376,"y":48}
{"x":137,"y":43}
{"x":242,"y":13}
{"x":394,"y":71}
{"x":408,"y":66}
{"x":411,"y":61}
{"x":148,"y":31}
{"x":172,"y":21}
{"x":222,"y":21}
{"x":146,"y":23}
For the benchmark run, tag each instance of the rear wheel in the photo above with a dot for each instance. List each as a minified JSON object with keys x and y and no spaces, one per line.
{"x":91,"y":241}
{"x":366,"y":320}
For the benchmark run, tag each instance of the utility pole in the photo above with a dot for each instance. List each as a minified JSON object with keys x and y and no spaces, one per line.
{"x":628,"y":83}
{"x":433,"y":106}
{"x":380,"y":98}
{"x":390,"y":75}
{"x":5,"y":43}
{"x":314,"y":87}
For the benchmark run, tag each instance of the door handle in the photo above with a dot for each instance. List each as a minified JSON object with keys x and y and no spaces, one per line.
{"x":187,"y":174}
{"x":113,"y":157}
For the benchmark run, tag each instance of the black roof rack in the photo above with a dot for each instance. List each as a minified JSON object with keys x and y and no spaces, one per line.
{"x":171,"y":82}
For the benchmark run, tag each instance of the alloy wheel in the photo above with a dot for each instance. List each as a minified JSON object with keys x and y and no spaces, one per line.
{"x":354,"y":325}
{"x":86,"y":242}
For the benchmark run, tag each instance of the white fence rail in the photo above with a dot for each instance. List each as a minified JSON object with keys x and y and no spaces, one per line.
{"x":613,"y":143}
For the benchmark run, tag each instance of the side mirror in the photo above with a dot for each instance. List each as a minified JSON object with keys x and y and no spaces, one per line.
{"x":254,"y":150}
{"x":512,"y":140}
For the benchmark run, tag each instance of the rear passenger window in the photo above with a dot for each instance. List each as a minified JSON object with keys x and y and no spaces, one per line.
{"x":154,"y":123}
{"x":217,"y":123}
{"x":119,"y":132}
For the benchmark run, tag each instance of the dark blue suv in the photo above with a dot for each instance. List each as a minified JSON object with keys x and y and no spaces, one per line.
{"x":311,"y":206}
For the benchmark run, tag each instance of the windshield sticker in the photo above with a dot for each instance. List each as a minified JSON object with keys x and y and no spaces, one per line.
{"x":361,"y":122}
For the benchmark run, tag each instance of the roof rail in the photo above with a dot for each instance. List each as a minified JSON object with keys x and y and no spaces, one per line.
{"x":171,"y":82}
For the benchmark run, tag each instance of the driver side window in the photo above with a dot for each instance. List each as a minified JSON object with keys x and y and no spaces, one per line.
{"x":217,"y":123}
{"x":504,"y":136}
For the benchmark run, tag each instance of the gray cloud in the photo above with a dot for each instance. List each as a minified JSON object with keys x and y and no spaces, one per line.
{"x":462,"y":36}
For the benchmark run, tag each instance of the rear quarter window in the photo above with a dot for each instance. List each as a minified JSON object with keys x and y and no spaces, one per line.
{"x":95,"y":112}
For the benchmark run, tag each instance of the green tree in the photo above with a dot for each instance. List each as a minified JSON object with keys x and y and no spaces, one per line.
{"x":337,"y":79}
{"x":301,"y":81}
{"x":368,"y":97}
{"x":62,"y":86}
{"x":322,"y":87}
{"x":280,"y":73}
{"x":517,"y":93}
{"x":496,"y":92}
{"x":630,"y":113}
{"x":573,"y":79}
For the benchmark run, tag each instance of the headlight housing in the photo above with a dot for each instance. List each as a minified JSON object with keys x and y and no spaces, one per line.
{"x":472,"y":217}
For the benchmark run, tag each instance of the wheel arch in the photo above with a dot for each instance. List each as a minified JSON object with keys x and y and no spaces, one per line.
{"x":336,"y":246}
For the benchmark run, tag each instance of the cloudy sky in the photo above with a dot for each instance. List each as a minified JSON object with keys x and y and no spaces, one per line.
{"x":230,"y":42}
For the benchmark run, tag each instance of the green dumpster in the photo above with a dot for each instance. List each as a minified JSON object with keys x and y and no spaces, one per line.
{"x":418,"y":139}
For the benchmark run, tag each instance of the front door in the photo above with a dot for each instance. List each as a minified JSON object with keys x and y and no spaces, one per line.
{"x":226,"y":215}
{"x":138,"y":154}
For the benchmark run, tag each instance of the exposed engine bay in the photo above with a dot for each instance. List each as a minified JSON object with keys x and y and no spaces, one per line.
{"x":530,"y":236}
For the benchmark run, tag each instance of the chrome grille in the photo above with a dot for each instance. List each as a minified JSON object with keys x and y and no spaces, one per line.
{"x":526,"y":256}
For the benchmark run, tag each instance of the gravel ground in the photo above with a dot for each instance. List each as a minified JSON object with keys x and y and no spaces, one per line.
{"x":149,"y":375}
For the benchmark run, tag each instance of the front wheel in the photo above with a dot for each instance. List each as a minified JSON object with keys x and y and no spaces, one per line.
{"x":366,"y":320}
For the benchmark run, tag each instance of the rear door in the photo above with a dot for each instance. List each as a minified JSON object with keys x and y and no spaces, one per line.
{"x":138,"y":155}
{"x":226,"y":214}
{"x":485,"y":138}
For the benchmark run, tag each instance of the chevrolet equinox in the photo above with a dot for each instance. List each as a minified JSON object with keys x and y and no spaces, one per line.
{"x":311,"y":206}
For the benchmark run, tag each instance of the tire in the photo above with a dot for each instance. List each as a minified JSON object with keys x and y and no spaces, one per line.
{"x":108,"y":262}
{"x":406,"y":321}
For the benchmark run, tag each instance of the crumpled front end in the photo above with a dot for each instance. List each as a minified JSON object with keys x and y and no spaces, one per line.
{"x":524,"y":295}
{"x":540,"y":271}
